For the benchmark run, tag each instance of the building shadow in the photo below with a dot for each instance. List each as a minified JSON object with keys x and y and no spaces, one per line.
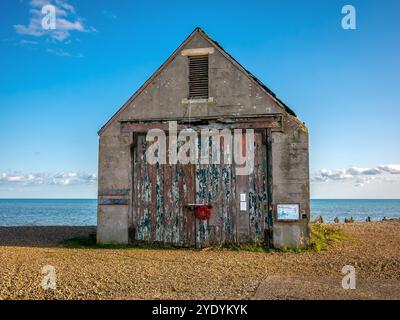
{"x":42,"y":237}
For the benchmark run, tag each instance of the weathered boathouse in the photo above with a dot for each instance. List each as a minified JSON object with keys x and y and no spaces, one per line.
{"x":203,"y":154}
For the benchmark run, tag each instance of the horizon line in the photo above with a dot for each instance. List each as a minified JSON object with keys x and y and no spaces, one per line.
{"x":97,"y":198}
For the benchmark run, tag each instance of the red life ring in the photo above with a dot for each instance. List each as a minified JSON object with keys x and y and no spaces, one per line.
{"x":203,"y":213}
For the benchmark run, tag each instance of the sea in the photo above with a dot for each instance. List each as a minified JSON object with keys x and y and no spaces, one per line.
{"x":83,"y":212}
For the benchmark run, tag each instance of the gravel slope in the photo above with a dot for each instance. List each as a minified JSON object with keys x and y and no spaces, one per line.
{"x":184,"y":274}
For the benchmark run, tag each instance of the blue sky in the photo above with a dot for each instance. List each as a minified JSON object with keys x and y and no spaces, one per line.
{"x":58,"y":88}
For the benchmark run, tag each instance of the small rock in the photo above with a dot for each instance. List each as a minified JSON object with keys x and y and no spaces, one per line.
{"x":336,"y":220}
{"x":319,"y":219}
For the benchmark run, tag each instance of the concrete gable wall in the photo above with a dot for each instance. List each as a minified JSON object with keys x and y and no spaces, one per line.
{"x":233,"y":91}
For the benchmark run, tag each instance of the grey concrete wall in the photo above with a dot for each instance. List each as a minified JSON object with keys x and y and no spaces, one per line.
{"x":115,"y":172}
{"x":234,"y":94}
{"x":290,"y":171}
{"x":112,"y":226}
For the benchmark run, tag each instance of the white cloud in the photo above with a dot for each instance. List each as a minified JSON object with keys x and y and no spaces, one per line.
{"x":67,"y":21}
{"x":64,"y":5}
{"x":357,"y":175}
{"x":391,"y":168}
{"x":109,"y":14}
{"x":63,"y":53}
{"x":336,"y":174}
{"x":355,"y":171}
{"x":60,"y":178}
{"x":28,"y":42}
{"x":59,"y":52}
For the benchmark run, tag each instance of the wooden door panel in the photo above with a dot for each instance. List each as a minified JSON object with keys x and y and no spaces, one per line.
{"x":161,"y":193}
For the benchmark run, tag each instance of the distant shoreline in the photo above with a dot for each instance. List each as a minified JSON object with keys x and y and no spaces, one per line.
{"x":83,"y":211}
{"x":312,"y":199}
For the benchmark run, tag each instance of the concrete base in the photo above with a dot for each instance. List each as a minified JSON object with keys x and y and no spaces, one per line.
{"x":112,"y":226}
{"x":290,"y":235}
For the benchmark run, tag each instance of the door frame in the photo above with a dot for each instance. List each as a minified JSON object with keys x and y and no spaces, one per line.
{"x":265,"y":124}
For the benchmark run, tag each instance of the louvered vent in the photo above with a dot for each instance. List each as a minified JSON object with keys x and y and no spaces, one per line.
{"x":198,"y":77}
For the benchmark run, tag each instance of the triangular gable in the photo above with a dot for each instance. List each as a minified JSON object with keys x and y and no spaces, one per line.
{"x":176,"y":52}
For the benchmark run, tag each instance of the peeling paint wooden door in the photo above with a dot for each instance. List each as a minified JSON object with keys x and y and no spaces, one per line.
{"x":251,"y":223}
{"x":215,"y":187}
{"x":161,"y":193}
{"x":219,"y":186}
